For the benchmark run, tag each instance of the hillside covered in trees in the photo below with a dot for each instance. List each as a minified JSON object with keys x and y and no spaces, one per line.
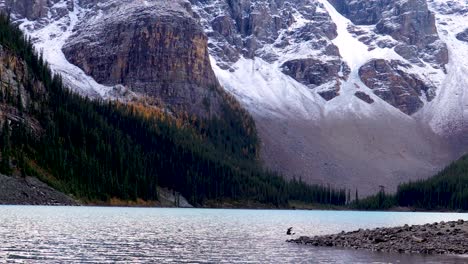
{"x":448,"y":190}
{"x":98,"y":150}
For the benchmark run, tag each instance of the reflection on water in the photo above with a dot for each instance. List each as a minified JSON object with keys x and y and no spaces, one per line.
{"x":143,"y":235}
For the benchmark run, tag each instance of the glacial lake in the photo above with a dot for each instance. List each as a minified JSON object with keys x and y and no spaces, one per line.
{"x":30,"y":234}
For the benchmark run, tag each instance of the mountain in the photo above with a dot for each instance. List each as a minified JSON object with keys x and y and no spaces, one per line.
{"x":343,"y":92}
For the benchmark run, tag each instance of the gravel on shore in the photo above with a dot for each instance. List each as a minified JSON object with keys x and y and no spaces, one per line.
{"x":30,"y":191}
{"x":437,"y":238}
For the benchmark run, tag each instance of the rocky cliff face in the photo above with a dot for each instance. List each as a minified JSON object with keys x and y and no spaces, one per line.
{"x":13,"y":96}
{"x":390,"y":82}
{"x":410,"y":24}
{"x":158,"y":50}
{"x":33,"y":9}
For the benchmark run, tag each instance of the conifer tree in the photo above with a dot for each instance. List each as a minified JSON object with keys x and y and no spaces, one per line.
{"x":5,"y":166}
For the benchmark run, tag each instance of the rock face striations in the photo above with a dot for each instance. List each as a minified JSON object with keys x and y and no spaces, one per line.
{"x":14,"y":74}
{"x":158,"y":50}
{"x":390,"y":82}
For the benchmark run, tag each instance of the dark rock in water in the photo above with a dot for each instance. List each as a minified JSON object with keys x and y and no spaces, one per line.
{"x":364,"y":97}
{"x":463,"y":36}
{"x":423,"y":239}
{"x":395,"y":86}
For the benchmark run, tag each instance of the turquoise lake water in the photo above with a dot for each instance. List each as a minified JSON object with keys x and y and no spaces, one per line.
{"x":31,"y":234}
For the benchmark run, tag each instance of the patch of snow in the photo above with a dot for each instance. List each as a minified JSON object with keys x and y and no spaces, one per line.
{"x":354,"y":52}
{"x":448,"y":113}
{"x":265,"y":90}
{"x":50,"y":39}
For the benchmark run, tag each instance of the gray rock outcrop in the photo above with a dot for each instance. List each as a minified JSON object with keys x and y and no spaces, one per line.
{"x":313,"y":72}
{"x":365,"y":97}
{"x":395,"y":86}
{"x":463,"y":36}
{"x":30,"y":191}
{"x":31,"y":9}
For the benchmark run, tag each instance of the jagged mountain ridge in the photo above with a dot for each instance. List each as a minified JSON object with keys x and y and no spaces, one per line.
{"x":353,"y":93}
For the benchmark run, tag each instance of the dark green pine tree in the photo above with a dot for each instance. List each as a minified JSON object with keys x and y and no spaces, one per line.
{"x":5,"y":166}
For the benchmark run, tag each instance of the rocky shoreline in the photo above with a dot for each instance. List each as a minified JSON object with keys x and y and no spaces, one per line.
{"x":436,"y":238}
{"x":30,"y":191}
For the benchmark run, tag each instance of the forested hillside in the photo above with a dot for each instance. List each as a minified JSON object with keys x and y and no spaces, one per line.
{"x":97,"y":150}
{"x":446,"y":190}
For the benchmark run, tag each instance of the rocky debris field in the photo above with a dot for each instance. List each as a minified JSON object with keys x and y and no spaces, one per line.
{"x":30,"y":191}
{"x":436,"y":238}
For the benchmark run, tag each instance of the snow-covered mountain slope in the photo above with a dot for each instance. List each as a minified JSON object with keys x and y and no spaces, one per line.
{"x":50,"y":34}
{"x":448,"y":113}
{"x":352,"y":93}
{"x":403,"y":130}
